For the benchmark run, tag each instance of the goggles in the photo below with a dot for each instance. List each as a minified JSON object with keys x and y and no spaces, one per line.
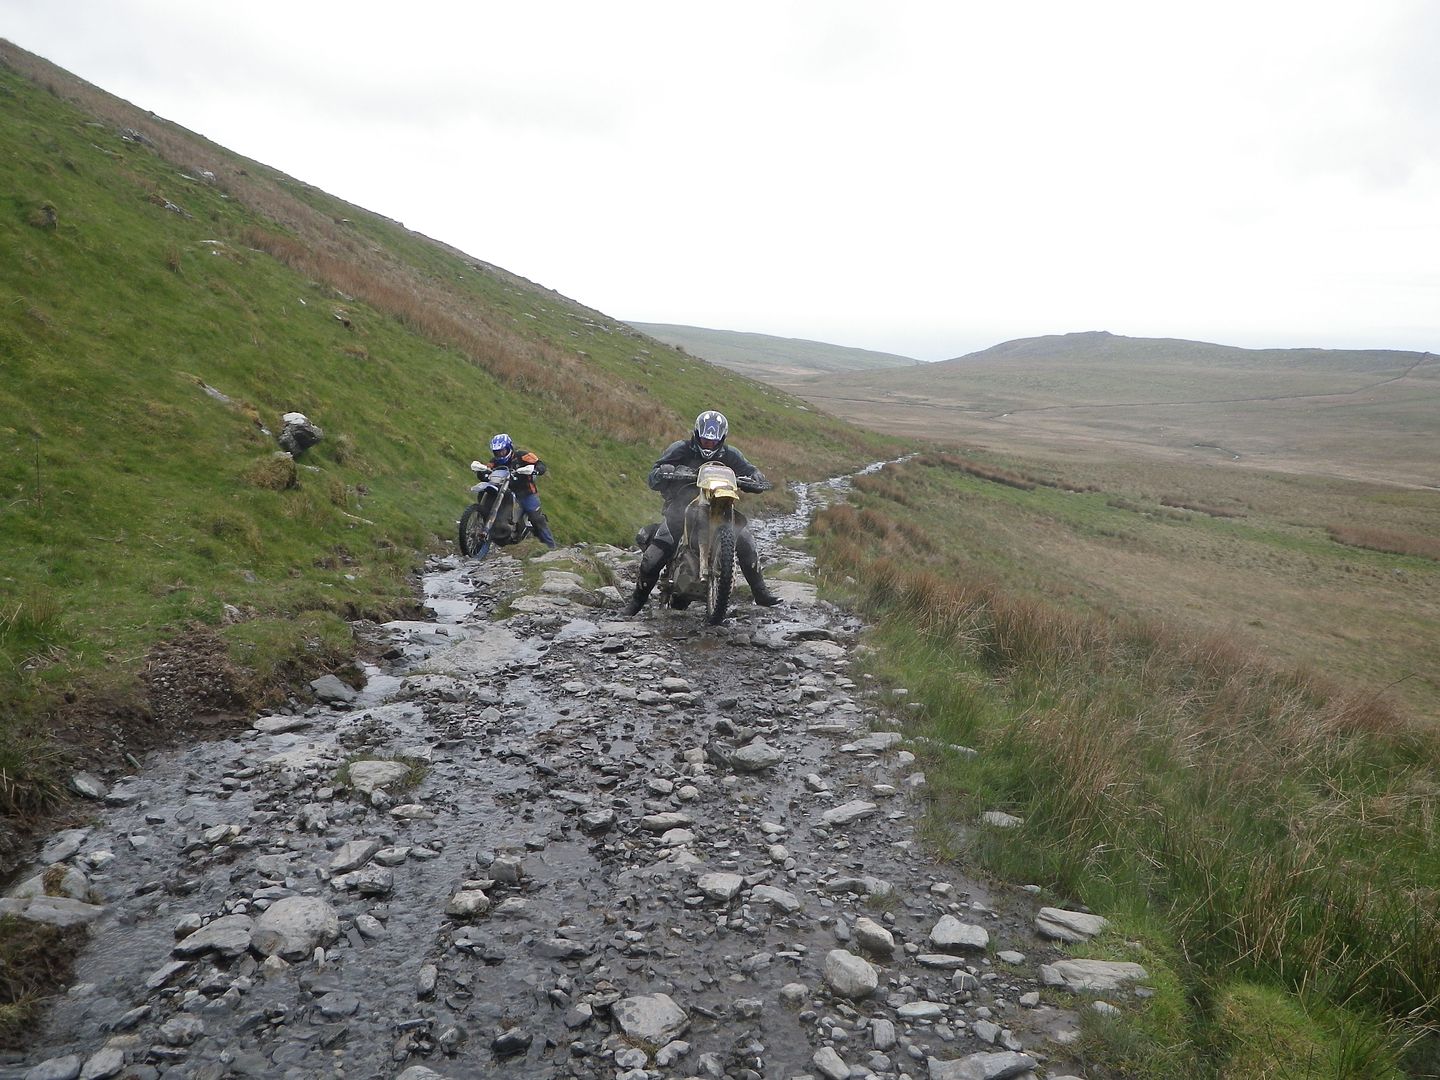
{"x":709,"y":444}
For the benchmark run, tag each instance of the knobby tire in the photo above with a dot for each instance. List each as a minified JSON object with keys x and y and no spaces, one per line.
{"x":722,"y":573}
{"x":469,"y":544}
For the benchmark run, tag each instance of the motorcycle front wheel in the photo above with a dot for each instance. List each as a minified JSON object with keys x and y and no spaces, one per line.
{"x":472,"y":532}
{"x":722,"y":573}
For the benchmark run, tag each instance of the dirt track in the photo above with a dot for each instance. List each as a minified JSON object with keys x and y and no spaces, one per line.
{"x":606,"y":811}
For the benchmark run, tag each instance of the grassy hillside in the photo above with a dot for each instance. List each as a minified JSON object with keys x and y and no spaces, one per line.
{"x":1361,"y":414}
{"x":1153,"y":690}
{"x":162,"y":300}
{"x":776,"y":360}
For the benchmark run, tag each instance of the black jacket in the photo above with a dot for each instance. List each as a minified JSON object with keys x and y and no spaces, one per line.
{"x":686,"y":455}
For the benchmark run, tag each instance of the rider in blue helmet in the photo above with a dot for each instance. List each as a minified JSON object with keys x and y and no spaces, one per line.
{"x":674,"y":477}
{"x":505,"y":455}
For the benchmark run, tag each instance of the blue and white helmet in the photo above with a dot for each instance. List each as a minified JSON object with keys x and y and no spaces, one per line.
{"x":502,"y":446}
{"x":711,"y":428}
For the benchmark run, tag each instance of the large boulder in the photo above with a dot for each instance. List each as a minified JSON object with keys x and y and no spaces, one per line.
{"x":293,"y":926}
{"x":849,"y":975}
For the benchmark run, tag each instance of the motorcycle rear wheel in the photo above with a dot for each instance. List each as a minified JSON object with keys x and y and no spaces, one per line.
{"x":472,"y":532}
{"x":722,"y":574}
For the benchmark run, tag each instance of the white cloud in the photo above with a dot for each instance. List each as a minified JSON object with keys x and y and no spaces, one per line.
{"x":924,"y":177}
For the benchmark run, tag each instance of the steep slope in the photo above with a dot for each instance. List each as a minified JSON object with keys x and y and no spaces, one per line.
{"x":776,"y":360}
{"x":163,"y":302}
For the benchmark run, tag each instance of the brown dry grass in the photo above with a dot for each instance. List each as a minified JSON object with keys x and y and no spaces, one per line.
{"x":1390,"y":541}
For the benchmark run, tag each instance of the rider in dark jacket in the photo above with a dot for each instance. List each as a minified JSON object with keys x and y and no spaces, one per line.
{"x":674,"y":477}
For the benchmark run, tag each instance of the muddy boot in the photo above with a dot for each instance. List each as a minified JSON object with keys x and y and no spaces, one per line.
{"x":637,"y":599}
{"x":644,"y":582}
{"x":758,"y":589}
{"x":541,"y":524}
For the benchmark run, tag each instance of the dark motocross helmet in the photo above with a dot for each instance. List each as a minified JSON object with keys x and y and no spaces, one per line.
{"x":711,"y":428}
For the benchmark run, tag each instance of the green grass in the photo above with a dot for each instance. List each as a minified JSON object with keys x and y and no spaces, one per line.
{"x":1260,"y":822}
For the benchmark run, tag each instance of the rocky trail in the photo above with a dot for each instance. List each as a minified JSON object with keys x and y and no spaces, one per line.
{"x":554,"y":843}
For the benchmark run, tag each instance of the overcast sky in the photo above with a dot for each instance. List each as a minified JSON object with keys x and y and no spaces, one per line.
{"x":927,"y":178}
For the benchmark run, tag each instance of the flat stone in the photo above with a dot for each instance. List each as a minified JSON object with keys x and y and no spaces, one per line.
{"x":849,"y":812}
{"x":882,"y":1035}
{"x":653,"y":1018}
{"x":294,"y":926}
{"x":756,"y":756}
{"x":56,"y":1068}
{"x":62,"y":845}
{"x":720,"y":887}
{"x":56,"y":881}
{"x":876,"y":742}
{"x":332,"y":690}
{"x":353,"y":855}
{"x":228,"y":935}
{"x":182,"y":1030}
{"x":942,"y":961}
{"x":103,"y":1064}
{"x":468,"y":903}
{"x":661,"y":823}
{"x":768,"y":894}
{"x":985,"y":1066}
{"x":280,"y":725}
{"x":1073,"y":927}
{"x":59,"y":911}
{"x":1081,"y":976}
{"x":920,"y":1010}
{"x":998,"y":819}
{"x":562,"y":949}
{"x":88,"y":786}
{"x":830,"y":1064}
{"x":366,"y":776}
{"x":952,"y":935}
{"x":166,"y":973}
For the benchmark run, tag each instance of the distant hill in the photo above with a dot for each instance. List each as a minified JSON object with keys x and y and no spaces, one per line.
{"x":1100,"y":346}
{"x":1361,"y":413}
{"x":776,"y":360}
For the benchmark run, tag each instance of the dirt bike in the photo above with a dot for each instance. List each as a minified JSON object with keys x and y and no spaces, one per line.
{"x":495,"y":518}
{"x":703,"y":566}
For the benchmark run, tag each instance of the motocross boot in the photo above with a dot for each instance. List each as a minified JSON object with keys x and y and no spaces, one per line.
{"x":758,"y":589}
{"x":637,"y":598}
{"x":541,"y":525}
{"x":649,"y":574}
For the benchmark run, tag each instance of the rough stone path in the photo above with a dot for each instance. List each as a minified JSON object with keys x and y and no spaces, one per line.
{"x":553,"y":843}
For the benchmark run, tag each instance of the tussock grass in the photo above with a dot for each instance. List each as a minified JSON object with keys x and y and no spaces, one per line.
{"x":1182,"y":503}
{"x":1284,"y":828}
{"x":33,"y":959}
{"x":1390,"y":541}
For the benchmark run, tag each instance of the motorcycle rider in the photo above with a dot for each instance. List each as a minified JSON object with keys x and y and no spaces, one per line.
{"x":674,"y":477}
{"x":504,"y":455}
